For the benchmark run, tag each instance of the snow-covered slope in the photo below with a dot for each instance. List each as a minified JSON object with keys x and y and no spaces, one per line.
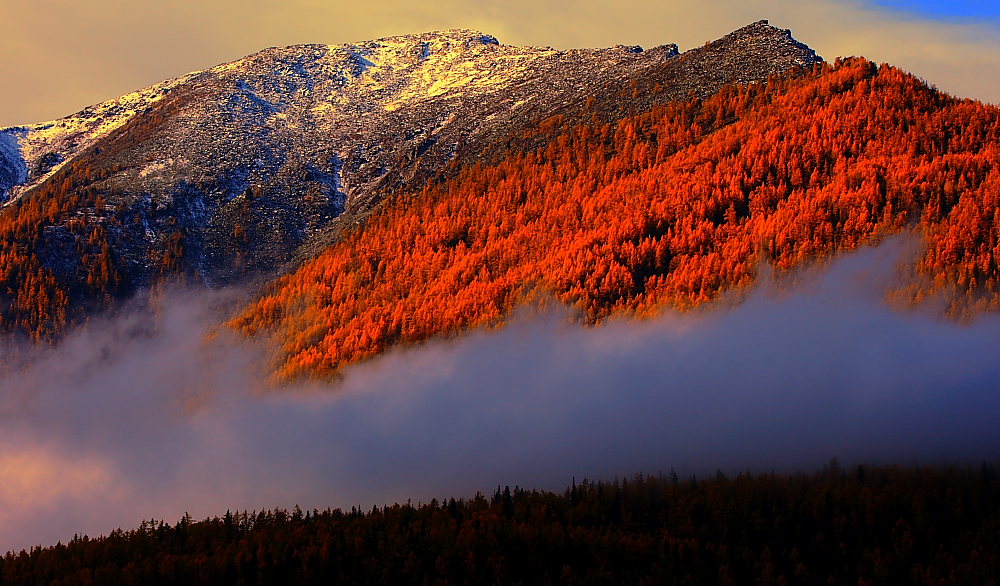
{"x":44,"y":147}
{"x":13,"y":169}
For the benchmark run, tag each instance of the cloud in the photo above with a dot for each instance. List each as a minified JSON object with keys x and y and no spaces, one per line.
{"x":137,"y":418}
{"x":35,"y":475}
{"x":61,"y":56}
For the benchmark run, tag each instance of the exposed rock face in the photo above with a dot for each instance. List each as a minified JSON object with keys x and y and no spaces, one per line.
{"x":13,"y":169}
{"x":255,"y":159}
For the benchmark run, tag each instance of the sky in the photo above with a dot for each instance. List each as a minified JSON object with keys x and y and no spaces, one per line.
{"x":955,"y":9}
{"x":63,"y":55}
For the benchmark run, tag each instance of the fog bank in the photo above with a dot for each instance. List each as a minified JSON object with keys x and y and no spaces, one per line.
{"x":119,"y":424}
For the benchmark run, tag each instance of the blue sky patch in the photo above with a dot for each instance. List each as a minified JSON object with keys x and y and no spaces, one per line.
{"x":964,"y":10}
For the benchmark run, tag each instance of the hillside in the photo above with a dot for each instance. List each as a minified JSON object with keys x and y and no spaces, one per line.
{"x":867,"y":525}
{"x":617,"y":181}
{"x":229,"y":174}
{"x":666,"y":208}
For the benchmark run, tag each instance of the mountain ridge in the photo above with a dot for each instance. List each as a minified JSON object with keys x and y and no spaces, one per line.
{"x":228,"y":174}
{"x":61,"y":139}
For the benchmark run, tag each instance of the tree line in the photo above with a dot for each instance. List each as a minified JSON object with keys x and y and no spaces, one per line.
{"x":859,"y":525}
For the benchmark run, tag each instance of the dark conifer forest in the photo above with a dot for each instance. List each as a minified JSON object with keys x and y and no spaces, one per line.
{"x":841,"y":525}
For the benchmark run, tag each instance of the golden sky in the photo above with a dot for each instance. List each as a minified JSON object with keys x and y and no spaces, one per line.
{"x":62,"y":55}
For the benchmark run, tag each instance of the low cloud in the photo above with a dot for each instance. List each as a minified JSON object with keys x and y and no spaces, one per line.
{"x":137,"y":417}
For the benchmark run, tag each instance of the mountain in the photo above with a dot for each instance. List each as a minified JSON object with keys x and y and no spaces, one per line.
{"x":385,"y":193}
{"x":231,"y":173}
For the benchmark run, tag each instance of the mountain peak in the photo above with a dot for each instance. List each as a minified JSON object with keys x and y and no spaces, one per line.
{"x":459,"y":35}
{"x":760,"y":28}
{"x":761,"y":35}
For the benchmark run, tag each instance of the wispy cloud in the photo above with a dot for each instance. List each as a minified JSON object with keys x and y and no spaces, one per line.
{"x":123,"y":423}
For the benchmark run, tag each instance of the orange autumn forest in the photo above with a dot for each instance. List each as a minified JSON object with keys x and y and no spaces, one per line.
{"x":666,"y":208}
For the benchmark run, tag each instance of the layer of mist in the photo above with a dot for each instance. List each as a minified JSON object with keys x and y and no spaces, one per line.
{"x":124,"y":422}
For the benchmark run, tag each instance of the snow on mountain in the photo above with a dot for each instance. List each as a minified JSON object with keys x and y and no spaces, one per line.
{"x":13,"y":169}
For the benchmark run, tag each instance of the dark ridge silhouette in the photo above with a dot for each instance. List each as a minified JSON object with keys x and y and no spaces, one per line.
{"x":856,"y":525}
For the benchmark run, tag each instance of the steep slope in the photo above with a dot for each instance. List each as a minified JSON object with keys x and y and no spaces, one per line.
{"x":224,"y":174}
{"x":666,"y":208}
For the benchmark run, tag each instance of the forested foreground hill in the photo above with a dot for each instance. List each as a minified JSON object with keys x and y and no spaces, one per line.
{"x":666,"y":208}
{"x":864,"y":525}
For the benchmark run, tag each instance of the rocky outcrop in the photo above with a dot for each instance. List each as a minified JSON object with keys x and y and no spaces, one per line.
{"x":13,"y":168}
